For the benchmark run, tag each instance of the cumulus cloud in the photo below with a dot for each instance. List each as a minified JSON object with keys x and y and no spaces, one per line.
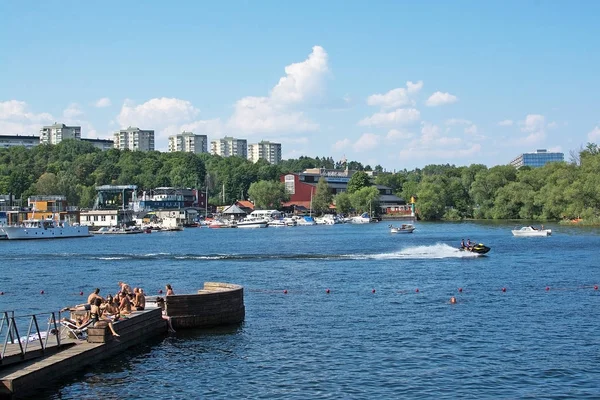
{"x":395,"y":134}
{"x":395,"y":98}
{"x":535,"y":127}
{"x":342,"y":144}
{"x":432,"y":143}
{"x":469,"y":127}
{"x":439,"y":98}
{"x":367,"y":141}
{"x":279,"y":111}
{"x":17,"y":119}
{"x":506,"y":122}
{"x":103,"y":102}
{"x":594,"y":134}
{"x":401,"y":116}
{"x":72,"y":111}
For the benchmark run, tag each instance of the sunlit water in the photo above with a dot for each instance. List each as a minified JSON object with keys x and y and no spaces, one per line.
{"x":386,"y":328}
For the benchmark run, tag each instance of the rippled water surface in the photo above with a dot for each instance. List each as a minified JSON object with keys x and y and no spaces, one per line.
{"x":386,"y":328}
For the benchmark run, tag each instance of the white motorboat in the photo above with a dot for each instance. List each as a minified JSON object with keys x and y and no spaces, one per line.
{"x":277,"y":223}
{"x":404,"y":228}
{"x":364,"y":218}
{"x":44,"y":229}
{"x":327,"y":219}
{"x":253,"y":223}
{"x":306,"y":220}
{"x":532,"y":231}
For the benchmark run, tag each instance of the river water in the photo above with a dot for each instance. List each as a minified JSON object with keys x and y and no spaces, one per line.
{"x":366,"y":313}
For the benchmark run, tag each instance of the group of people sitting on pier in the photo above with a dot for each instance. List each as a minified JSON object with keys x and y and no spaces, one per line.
{"x":102,"y":312}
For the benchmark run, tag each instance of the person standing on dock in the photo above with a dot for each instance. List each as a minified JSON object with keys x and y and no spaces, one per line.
{"x":95,"y":294}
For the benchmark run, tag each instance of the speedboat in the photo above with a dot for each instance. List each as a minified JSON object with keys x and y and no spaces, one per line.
{"x":531,"y":231}
{"x":478,"y":248}
{"x":364,"y":218}
{"x":404,"y":228}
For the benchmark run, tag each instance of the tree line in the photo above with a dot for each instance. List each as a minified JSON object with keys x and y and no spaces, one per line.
{"x":444,"y":192}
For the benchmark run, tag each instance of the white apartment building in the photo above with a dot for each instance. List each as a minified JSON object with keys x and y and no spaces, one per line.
{"x":56,"y":133}
{"x":265,"y":150}
{"x":18,"y":140}
{"x":189,"y":143}
{"x":229,"y":146}
{"x":134,"y":138}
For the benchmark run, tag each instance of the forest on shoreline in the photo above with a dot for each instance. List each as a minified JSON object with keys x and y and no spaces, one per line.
{"x":557,"y":191}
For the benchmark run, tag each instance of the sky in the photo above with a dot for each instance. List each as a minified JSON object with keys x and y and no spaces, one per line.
{"x":401,"y":84}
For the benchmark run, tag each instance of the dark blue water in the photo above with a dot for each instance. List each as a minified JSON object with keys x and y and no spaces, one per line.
{"x":525,"y":342}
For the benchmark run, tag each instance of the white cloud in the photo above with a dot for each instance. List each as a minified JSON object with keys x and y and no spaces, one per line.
{"x":535,"y":126}
{"x":367,"y":141}
{"x":594,"y":134}
{"x":103,"y":102}
{"x":457,"y":121}
{"x":342,"y":144}
{"x":471,"y":130}
{"x":439,"y":98}
{"x":17,"y":119}
{"x":274,"y":114}
{"x":400,"y":116}
{"x":395,"y":134}
{"x":156,"y":113}
{"x":395,"y":98}
{"x":72,"y":111}
{"x":506,"y":122}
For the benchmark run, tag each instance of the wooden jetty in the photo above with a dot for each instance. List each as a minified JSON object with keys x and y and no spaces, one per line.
{"x":215,"y":304}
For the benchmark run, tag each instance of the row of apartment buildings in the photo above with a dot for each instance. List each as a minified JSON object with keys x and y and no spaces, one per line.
{"x":136,"y":139}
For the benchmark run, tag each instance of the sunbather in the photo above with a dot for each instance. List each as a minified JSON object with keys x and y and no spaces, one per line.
{"x":99,"y":320}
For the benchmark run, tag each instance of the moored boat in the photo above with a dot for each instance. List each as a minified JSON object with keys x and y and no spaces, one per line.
{"x":44,"y":229}
{"x":253,"y":223}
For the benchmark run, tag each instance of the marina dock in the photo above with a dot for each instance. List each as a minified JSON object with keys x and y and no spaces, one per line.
{"x":21,"y":374}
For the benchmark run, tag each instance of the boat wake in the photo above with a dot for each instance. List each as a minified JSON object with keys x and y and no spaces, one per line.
{"x":436,"y":251}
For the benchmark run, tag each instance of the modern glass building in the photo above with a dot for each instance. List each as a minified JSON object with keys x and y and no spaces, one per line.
{"x":537,"y":159}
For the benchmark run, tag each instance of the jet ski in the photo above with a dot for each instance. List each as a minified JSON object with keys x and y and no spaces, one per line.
{"x":478,"y":248}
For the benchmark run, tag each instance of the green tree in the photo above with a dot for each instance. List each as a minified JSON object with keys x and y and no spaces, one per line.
{"x":358,"y":180}
{"x":365,"y":200}
{"x":47,"y":184}
{"x":267,"y":194}
{"x":322,"y":198}
{"x":343,"y":204}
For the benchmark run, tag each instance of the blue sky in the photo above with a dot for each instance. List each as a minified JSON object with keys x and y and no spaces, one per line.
{"x":395,"y":83}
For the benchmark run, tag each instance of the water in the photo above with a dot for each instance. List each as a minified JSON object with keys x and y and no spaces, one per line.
{"x":525,"y":342}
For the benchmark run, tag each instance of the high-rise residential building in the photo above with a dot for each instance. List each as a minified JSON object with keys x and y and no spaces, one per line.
{"x":134,"y":138}
{"x":56,"y":133}
{"x":265,"y":150}
{"x":189,"y":143}
{"x":537,"y":159}
{"x":229,"y":146}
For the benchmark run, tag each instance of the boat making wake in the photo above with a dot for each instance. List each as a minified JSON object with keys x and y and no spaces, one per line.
{"x":436,"y":251}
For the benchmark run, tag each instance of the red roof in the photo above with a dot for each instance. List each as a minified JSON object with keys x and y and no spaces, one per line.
{"x":245,"y":204}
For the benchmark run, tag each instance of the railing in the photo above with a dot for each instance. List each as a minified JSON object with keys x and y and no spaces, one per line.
{"x":11,"y":328}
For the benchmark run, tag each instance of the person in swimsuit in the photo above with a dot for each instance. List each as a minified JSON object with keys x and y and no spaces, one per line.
{"x":99,"y":320}
{"x":170,"y":291}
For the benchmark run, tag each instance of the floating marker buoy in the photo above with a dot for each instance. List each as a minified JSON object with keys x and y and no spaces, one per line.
{"x":504,"y":289}
{"x":373,"y":291}
{"x":595,"y":288}
{"x":459,"y":290}
{"x":417,"y":290}
{"x":547,"y":288}
{"x":81,"y":293}
{"x":285,"y":291}
{"x":327,"y":291}
{"x":159,"y":291}
{"x":41,"y":292}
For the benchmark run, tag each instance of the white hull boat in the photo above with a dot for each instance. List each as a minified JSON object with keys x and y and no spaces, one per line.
{"x":404,"y":228}
{"x":361,"y":219}
{"x":530,"y":231}
{"x":253,"y":223}
{"x":44,"y":229}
